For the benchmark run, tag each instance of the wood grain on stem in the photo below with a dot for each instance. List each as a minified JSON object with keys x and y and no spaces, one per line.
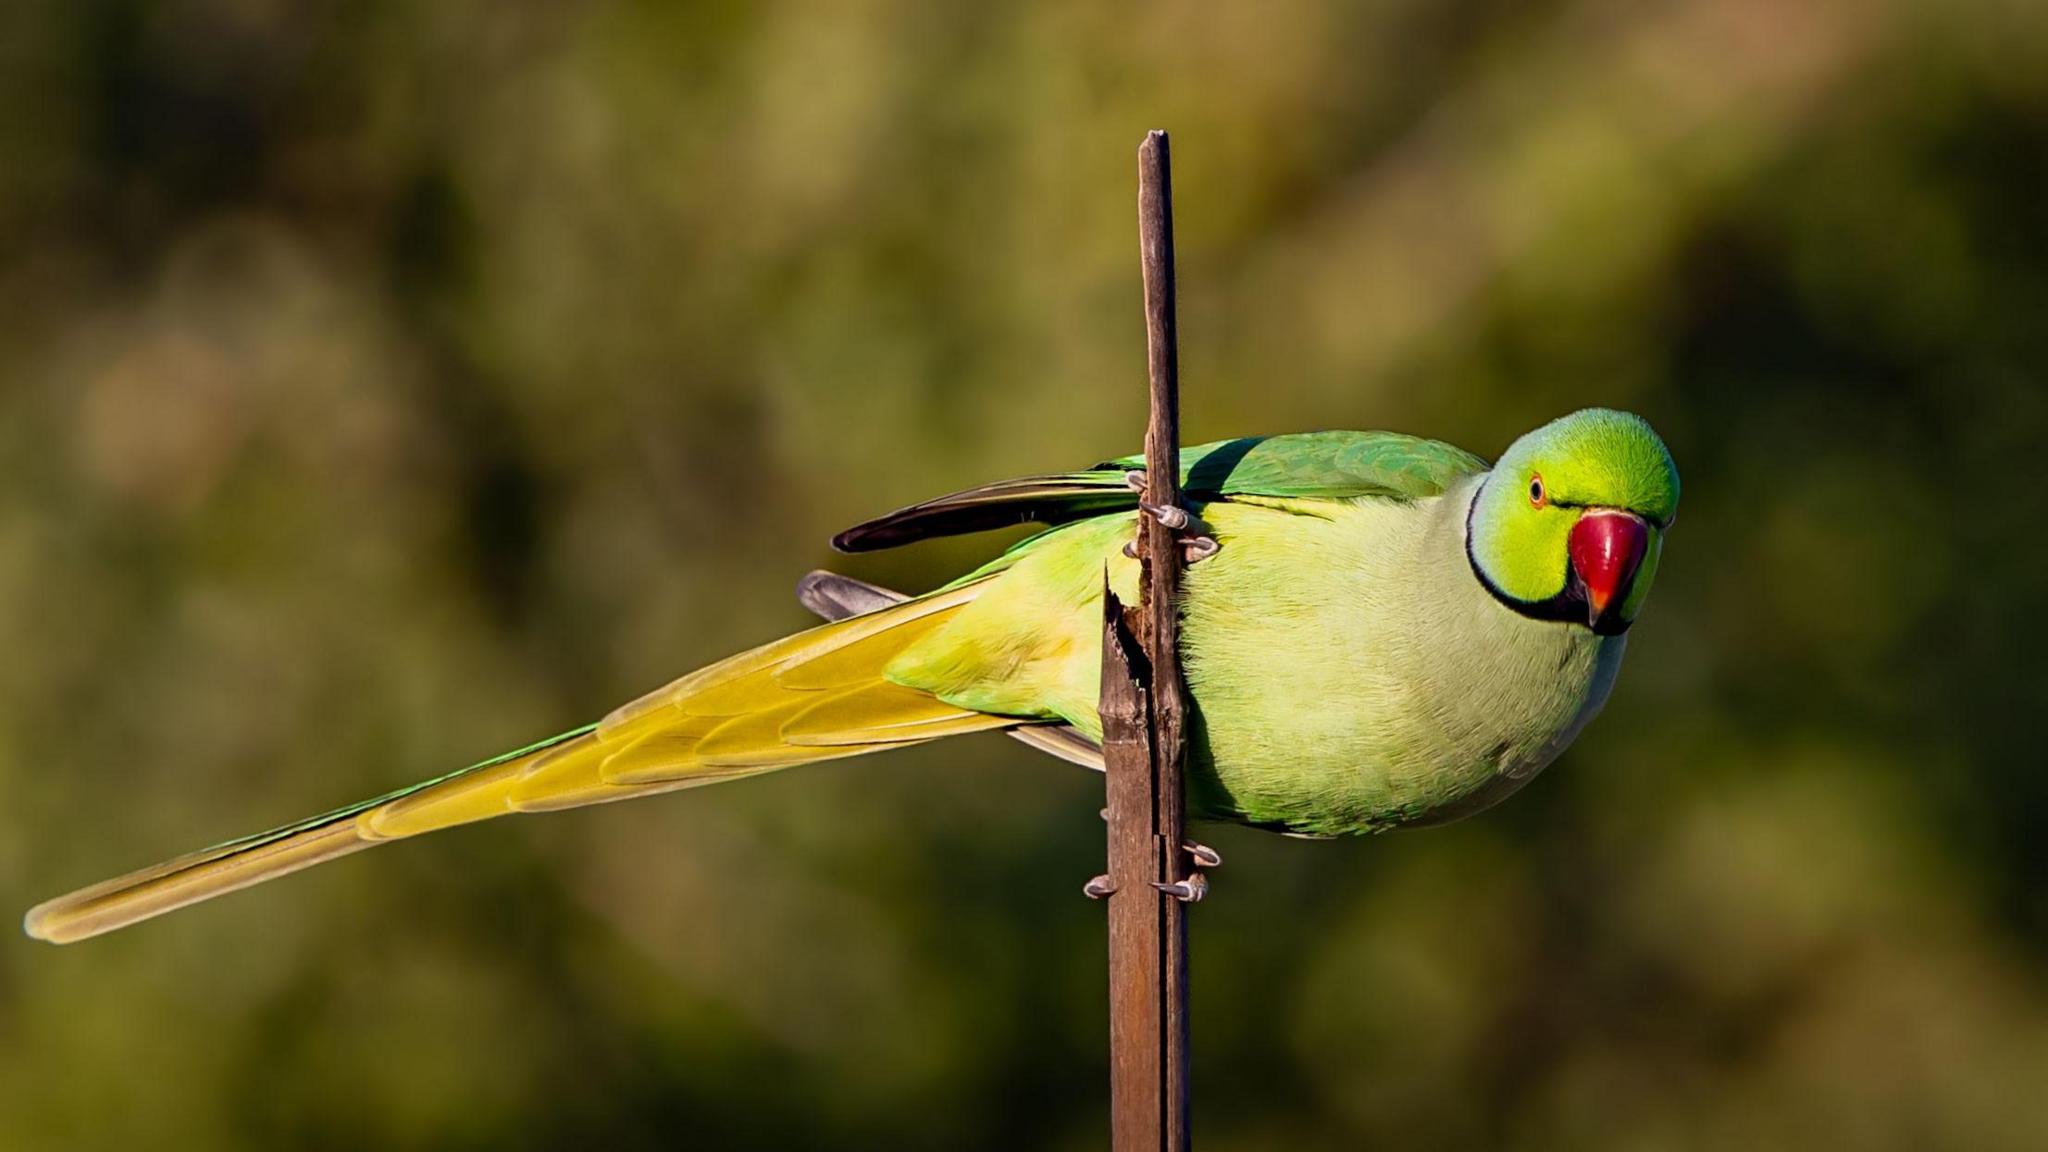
{"x":1143,"y":708}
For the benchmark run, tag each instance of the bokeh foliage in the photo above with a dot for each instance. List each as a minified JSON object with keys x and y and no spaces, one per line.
{"x":384,"y":384}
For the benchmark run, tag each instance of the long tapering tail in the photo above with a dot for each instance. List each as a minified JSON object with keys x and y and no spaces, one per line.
{"x":817,"y":695}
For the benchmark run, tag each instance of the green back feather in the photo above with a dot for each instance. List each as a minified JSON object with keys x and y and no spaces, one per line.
{"x":1309,"y":465}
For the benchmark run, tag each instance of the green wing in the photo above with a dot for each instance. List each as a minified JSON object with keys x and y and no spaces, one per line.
{"x":1307,"y":465}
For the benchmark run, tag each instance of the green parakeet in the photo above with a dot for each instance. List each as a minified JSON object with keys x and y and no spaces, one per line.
{"x":1389,"y":634}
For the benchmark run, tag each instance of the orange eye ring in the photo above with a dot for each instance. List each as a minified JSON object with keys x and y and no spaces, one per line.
{"x":1538,"y":498}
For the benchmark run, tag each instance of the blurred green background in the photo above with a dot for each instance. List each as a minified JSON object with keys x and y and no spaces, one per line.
{"x":383,"y":385}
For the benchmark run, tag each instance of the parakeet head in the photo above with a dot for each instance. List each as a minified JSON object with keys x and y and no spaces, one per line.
{"x":1569,"y":523}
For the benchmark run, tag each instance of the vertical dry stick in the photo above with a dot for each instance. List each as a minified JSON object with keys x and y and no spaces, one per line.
{"x":1159,"y":604}
{"x":1143,"y":709}
{"x":1137,"y":1085}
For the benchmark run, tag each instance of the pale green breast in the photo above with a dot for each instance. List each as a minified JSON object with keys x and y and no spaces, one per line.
{"x":1352,"y":675}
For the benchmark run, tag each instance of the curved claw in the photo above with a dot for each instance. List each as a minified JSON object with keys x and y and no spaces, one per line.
{"x":1197,"y":544}
{"x":1188,"y":891}
{"x":1098,"y":888}
{"x":1173,"y":517}
{"x":1203,"y":855}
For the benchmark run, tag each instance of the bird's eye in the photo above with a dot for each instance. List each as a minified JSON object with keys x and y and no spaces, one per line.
{"x":1536,"y":496}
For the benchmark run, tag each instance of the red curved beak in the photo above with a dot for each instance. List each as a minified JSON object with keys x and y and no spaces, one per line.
{"x":1606,"y":547}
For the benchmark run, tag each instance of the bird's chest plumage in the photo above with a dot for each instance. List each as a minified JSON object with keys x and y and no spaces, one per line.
{"x":1350,"y":674}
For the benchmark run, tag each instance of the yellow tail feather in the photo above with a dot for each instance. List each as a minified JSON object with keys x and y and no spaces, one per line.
{"x":817,"y":695}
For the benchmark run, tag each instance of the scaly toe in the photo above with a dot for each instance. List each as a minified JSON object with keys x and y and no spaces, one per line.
{"x":1188,"y":891}
{"x":1174,"y":518}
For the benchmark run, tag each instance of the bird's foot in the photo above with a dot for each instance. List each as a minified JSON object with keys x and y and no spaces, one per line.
{"x":1196,"y":544}
{"x":1193,"y":549}
{"x":1196,"y":885}
{"x":1173,"y":516}
{"x":1188,"y":891}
